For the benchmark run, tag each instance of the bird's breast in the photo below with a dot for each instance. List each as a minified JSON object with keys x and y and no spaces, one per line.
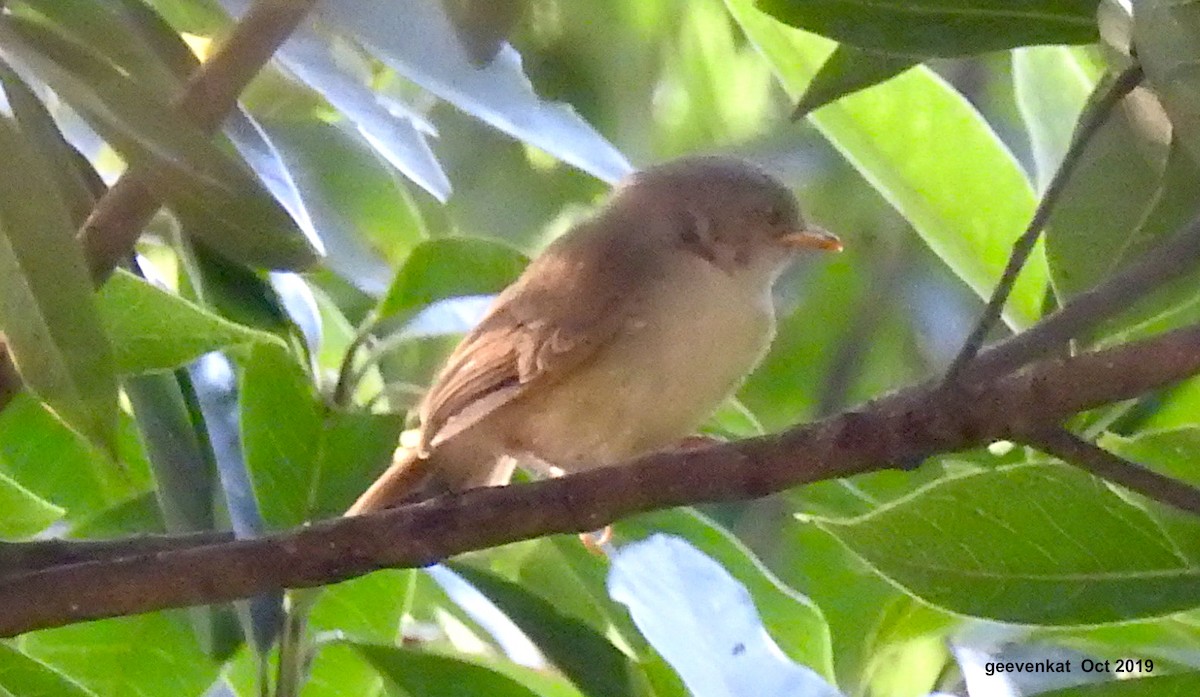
{"x":682,"y":351}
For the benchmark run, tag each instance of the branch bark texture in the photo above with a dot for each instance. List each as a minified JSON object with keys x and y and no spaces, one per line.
{"x":905,"y":426}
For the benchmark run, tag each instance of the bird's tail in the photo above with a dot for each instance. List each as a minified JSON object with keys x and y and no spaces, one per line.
{"x":402,"y":481}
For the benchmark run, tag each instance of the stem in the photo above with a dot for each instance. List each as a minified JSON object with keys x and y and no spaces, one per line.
{"x":1089,"y":123}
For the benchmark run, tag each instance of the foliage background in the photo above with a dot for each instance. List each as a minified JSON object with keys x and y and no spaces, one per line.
{"x":259,"y":401}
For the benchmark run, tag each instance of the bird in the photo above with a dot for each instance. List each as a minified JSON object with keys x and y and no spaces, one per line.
{"x":619,"y":339}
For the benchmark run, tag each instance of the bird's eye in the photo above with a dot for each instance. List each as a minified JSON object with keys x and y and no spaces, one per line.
{"x":689,"y":236}
{"x":776,"y":215}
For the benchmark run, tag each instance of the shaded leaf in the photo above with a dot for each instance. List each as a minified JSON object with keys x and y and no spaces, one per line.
{"x":1167,"y":36}
{"x":424,"y":674}
{"x":36,"y":124}
{"x":415,"y":38}
{"x":848,"y":70}
{"x":47,"y":308}
{"x":1037,"y":544}
{"x":484,"y":25}
{"x":581,"y":653}
{"x":925,"y":28}
{"x":1102,"y":210}
{"x":366,"y":219}
{"x":190,"y":171}
{"x":214,"y":395}
{"x":929,"y":153}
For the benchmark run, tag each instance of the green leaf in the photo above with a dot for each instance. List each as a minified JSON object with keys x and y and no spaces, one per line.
{"x":1100,"y":211}
{"x":703,"y":621}
{"x":580,"y":652}
{"x":1051,"y":85}
{"x":1180,"y":685}
{"x":366,"y":218}
{"x":57,"y":464}
{"x":930,"y":154}
{"x":305,"y":459}
{"x":36,"y":123}
{"x":189,"y":171}
{"x":793,"y":620}
{"x":183,"y":474}
{"x":935,"y":28}
{"x":25,"y":513}
{"x":849,"y":69}
{"x":47,"y":307}
{"x":152,"y":329}
{"x":150,"y":654}
{"x":423,"y":674}
{"x":1035,"y":544}
{"x":1167,"y":36}
{"x":449,"y":267}
{"x":414,"y":38}
{"x":22,"y":675}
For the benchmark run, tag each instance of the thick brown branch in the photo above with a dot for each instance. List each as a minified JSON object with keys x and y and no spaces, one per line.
{"x":1090,"y":457}
{"x":115,"y":223}
{"x":908,"y":425}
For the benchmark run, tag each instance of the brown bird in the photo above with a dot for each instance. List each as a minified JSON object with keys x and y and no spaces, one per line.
{"x":619,"y":339}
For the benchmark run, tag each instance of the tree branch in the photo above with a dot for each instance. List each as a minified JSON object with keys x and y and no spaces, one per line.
{"x":1089,"y":122}
{"x":1166,"y":262}
{"x":109,"y":233}
{"x":1072,"y":449}
{"x":911,"y":424}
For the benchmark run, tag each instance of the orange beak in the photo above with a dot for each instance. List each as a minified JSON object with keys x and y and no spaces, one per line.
{"x":812,"y":237}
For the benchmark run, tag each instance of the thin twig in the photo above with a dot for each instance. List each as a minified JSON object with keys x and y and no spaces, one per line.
{"x":117,"y":221}
{"x":1149,"y":272}
{"x":1088,"y":456}
{"x":919,"y":421}
{"x":1089,"y":123}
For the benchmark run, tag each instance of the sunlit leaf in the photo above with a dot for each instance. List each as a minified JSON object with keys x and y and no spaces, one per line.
{"x":153,"y":329}
{"x":25,"y":513}
{"x":450,"y":267}
{"x":305,"y":459}
{"x":793,"y":620}
{"x":22,"y":675}
{"x":704,"y":622}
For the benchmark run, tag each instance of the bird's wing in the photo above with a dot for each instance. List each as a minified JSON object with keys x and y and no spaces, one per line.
{"x":555,"y":318}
